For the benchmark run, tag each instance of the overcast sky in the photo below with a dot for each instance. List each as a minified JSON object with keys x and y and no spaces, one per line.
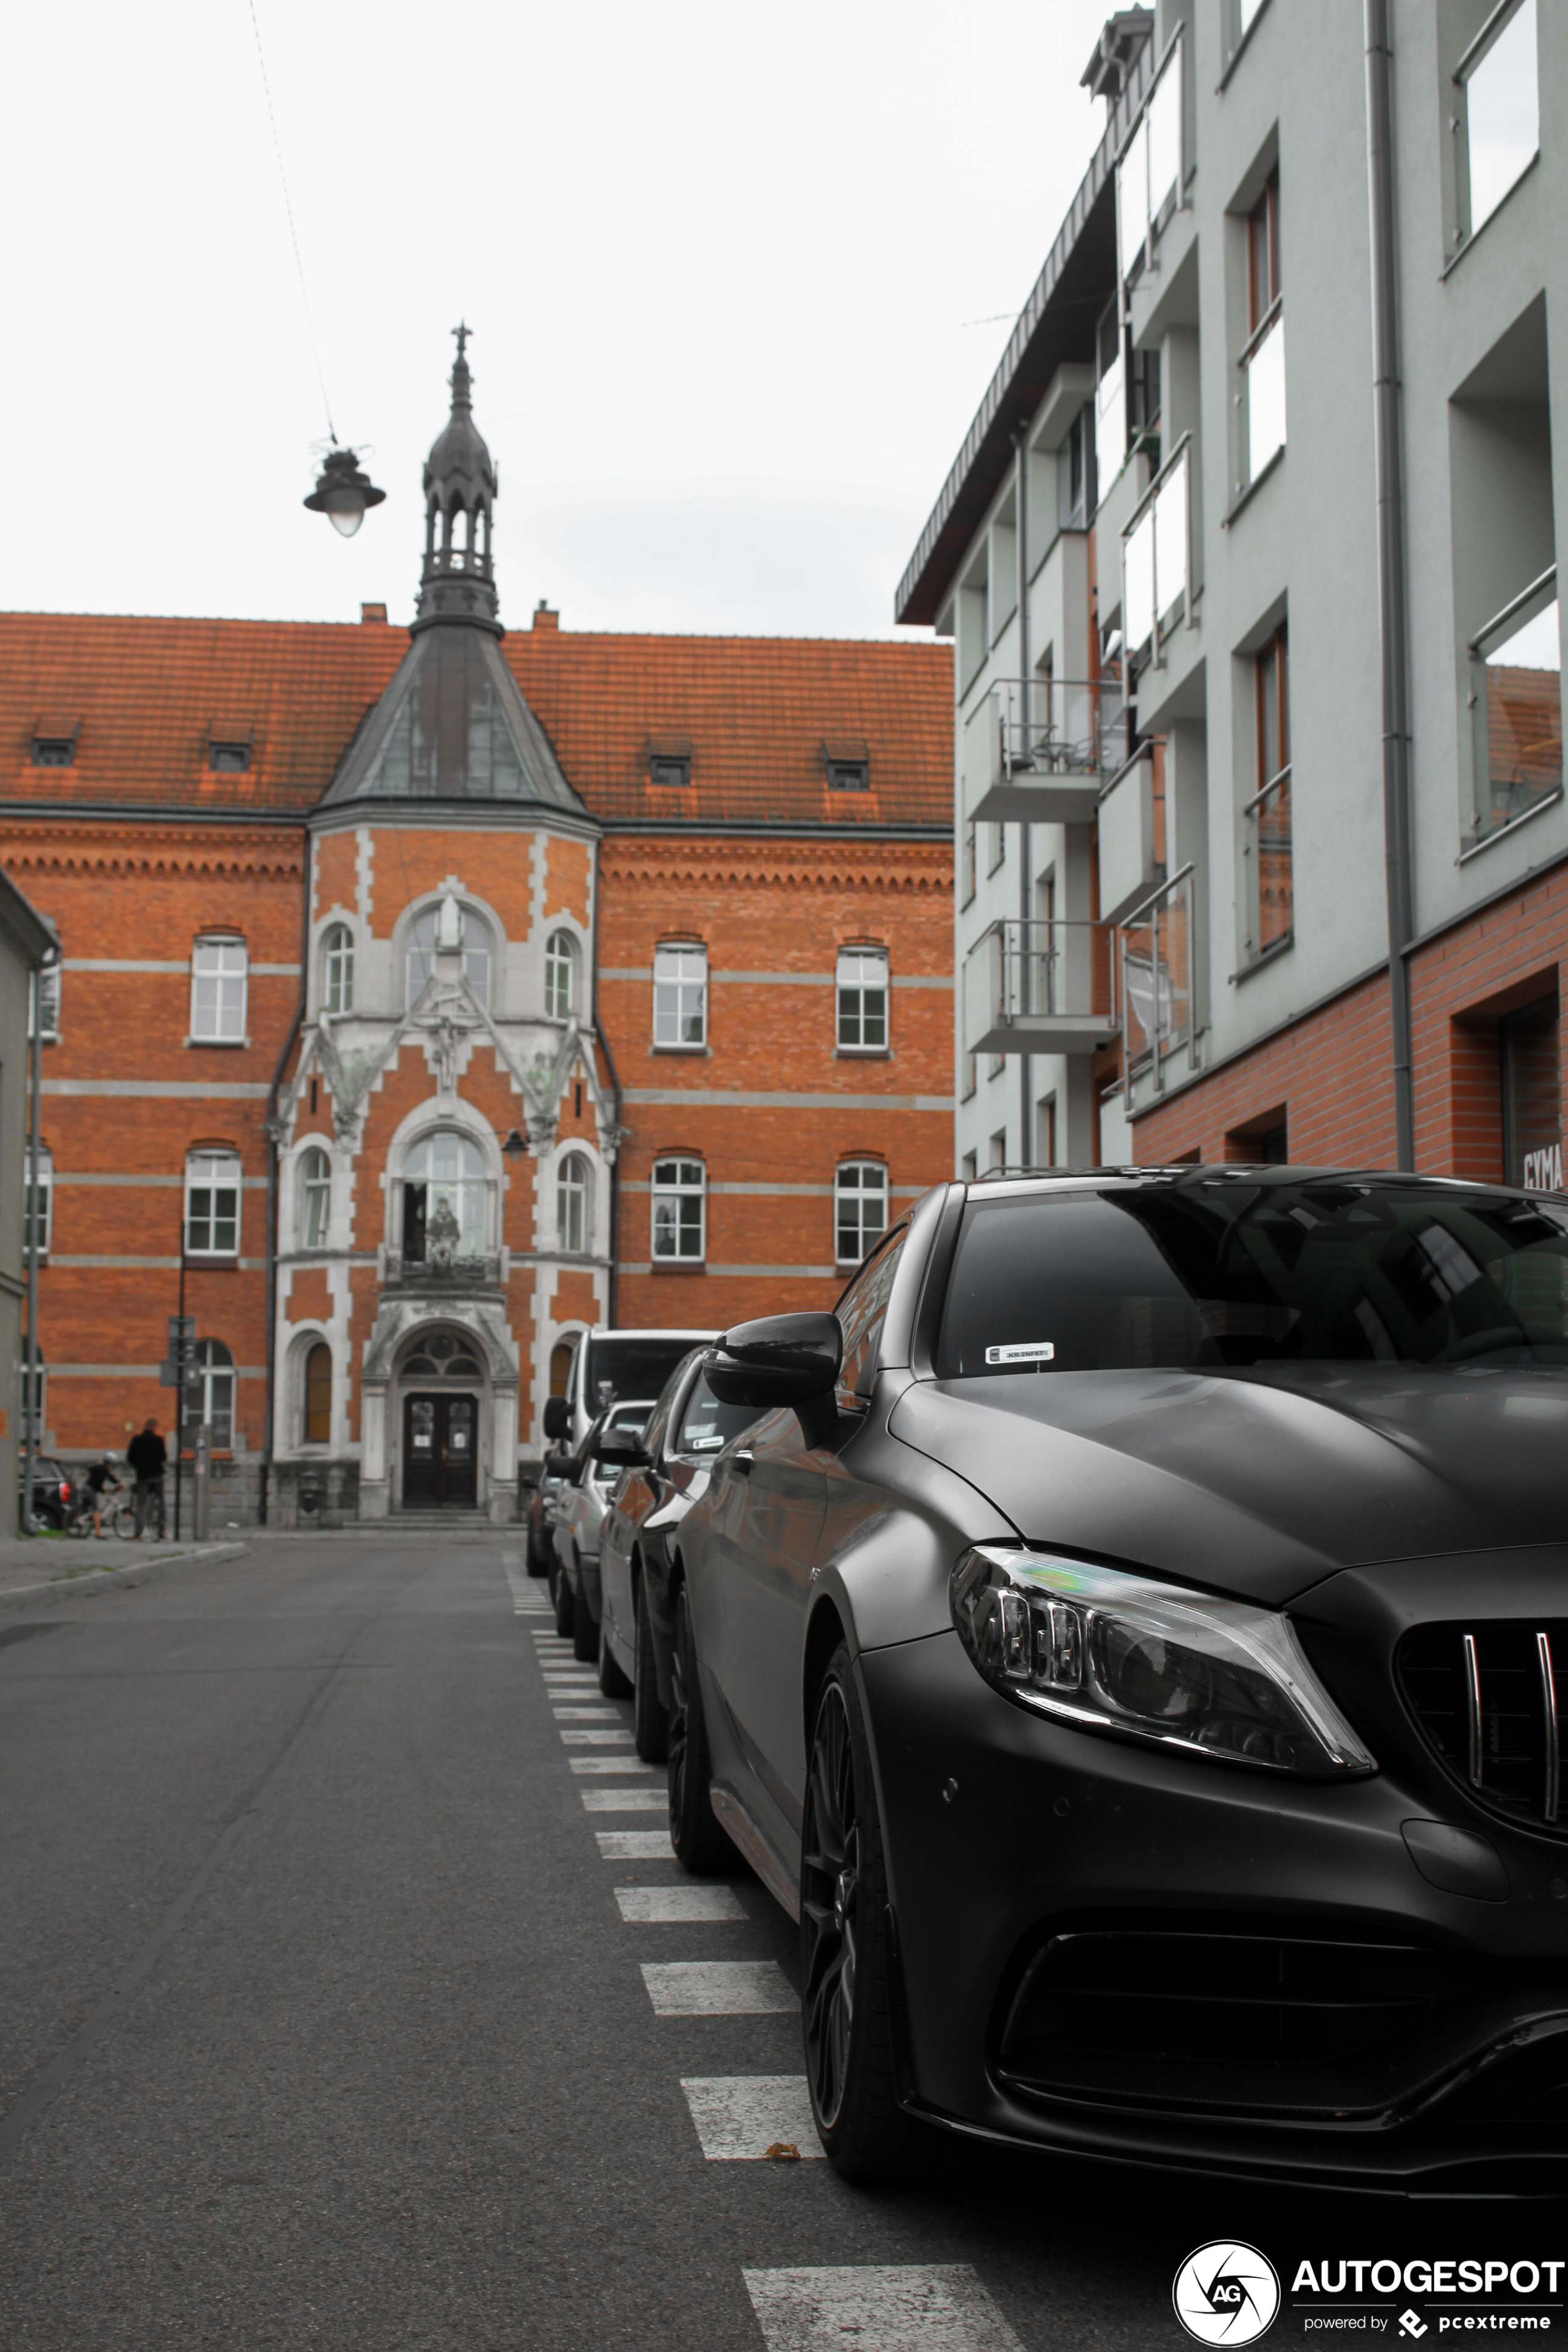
{"x":723,"y":267}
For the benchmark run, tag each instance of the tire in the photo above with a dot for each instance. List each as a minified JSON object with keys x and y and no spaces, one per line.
{"x":122,"y":1521}
{"x":584,"y":1630}
{"x":612,"y":1682}
{"x":845,"y":1946}
{"x":650,"y":1716}
{"x":565,"y":1602}
{"x":701,"y":1845}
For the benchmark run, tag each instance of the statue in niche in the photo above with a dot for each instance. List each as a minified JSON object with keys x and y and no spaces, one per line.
{"x":442,"y":1236}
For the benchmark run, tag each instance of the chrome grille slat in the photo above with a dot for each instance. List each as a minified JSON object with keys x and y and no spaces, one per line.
{"x":1484,"y":1695}
{"x":1473,"y":1704}
{"x":1549,"y":1711}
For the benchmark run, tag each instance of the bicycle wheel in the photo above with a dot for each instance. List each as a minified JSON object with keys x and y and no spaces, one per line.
{"x":123,"y":1519}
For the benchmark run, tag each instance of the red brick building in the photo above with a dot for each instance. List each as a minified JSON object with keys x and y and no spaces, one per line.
{"x":346,"y":914}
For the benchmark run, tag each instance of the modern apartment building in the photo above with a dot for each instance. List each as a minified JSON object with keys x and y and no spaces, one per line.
{"x":1250,"y":562}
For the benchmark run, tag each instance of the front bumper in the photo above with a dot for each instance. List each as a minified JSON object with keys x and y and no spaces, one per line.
{"x":1296,"y":1999}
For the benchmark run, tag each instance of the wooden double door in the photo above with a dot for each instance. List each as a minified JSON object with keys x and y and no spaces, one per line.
{"x":440,"y":1437}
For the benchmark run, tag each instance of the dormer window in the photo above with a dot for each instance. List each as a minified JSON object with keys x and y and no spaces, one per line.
{"x":54,"y":751}
{"x":228,"y":759}
{"x":669,"y":768}
{"x":848,"y":765}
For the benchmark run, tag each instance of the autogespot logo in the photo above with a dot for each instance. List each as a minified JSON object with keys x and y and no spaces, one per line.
{"x":1227,"y":2293}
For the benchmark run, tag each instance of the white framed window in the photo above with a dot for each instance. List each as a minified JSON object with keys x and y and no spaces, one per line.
{"x":44,"y":1002}
{"x":573,"y":1201}
{"x":560,"y":976}
{"x":38,"y":1208}
{"x":860,"y":1209}
{"x":862,"y":989}
{"x":681,"y":996}
{"x":444,"y":1197}
{"x":212,"y":1204}
{"x":679,"y":1210}
{"x":421,"y":952}
{"x":219,"y":968}
{"x":315,"y":1198}
{"x":213,"y":1400}
{"x":338,"y":970}
{"x":315,"y":1395}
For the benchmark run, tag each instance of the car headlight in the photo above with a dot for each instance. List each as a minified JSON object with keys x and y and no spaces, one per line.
{"x":1115,"y":1651}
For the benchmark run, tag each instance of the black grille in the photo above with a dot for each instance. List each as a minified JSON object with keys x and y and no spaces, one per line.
{"x":1485,"y":1695}
{"x":1271,"y":2023}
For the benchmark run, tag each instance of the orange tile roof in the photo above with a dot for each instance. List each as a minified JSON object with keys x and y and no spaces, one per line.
{"x":148,"y":694}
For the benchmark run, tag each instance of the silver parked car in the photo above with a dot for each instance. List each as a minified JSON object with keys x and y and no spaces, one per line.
{"x":580,"y":1501}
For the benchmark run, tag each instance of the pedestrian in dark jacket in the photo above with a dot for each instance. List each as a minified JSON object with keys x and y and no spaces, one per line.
{"x":148,"y":1456}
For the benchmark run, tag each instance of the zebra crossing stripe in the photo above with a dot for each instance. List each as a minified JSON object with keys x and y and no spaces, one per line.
{"x":624,"y":1800}
{"x":743,"y":2118}
{"x":718,"y":1989}
{"x":903,"y":2307}
{"x":635,"y":1846}
{"x":661,"y":1906}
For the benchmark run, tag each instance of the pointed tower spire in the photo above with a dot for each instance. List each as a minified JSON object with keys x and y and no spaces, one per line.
{"x":460,"y":487}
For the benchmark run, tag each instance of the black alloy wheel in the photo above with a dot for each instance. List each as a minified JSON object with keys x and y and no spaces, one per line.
{"x":700,"y":1843}
{"x":612,"y":1683}
{"x":584,"y":1630}
{"x":565,"y":1602}
{"x":650,"y":1716}
{"x":846,"y":1934}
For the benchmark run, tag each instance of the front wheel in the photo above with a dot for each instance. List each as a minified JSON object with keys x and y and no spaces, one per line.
{"x":700,"y":1843}
{"x":650,"y":1717}
{"x":846,"y":1961}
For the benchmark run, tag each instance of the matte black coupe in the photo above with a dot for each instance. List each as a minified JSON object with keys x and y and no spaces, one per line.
{"x":1126,"y":1640}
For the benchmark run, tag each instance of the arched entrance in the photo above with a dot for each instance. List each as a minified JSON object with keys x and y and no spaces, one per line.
{"x":441,"y":1389}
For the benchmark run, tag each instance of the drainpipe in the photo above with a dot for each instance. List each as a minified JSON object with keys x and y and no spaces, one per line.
{"x":1025,"y":886}
{"x":614,"y":1166}
{"x":31,"y":1385}
{"x":288,"y":1043}
{"x":1393,"y":618}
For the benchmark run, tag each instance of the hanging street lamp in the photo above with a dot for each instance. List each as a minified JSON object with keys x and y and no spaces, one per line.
{"x":343,"y":493}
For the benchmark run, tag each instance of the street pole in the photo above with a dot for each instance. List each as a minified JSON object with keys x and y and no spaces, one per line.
{"x":180,"y":1383}
{"x":30,"y":1383}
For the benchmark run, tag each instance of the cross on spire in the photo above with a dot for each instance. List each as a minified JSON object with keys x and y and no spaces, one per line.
{"x":462,"y":331}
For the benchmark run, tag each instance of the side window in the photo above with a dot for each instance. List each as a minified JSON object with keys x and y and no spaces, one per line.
{"x":338,"y":970}
{"x":315,"y":1198}
{"x":560,"y":976}
{"x":862,"y":1311}
{"x":706,"y":1425}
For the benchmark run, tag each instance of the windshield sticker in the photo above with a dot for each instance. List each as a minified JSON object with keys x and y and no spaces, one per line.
{"x":1026,"y":1351}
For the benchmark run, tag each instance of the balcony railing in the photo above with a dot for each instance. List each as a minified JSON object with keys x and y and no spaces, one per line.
{"x":1156,"y":976}
{"x":461,"y":1274}
{"x":1040,"y":987}
{"x":1038,"y":749}
{"x":1156,"y":555}
{"x":1516,"y":702}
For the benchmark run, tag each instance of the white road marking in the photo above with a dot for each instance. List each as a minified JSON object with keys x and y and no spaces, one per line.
{"x":624,"y":1800}
{"x":635,"y":1846}
{"x":527,"y":1599}
{"x":584,"y":1714}
{"x":739,"y":2117}
{"x":557,"y":1678}
{"x":621,"y":1765}
{"x":658,"y":1907}
{"x":596,"y":1738}
{"x":718,"y":1988}
{"x":915,"y":2307}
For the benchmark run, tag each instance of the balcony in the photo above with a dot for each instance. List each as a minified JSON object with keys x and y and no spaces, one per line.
{"x":1042,"y":987}
{"x":1155,"y":978}
{"x":1037,"y":750}
{"x":461,"y":1278}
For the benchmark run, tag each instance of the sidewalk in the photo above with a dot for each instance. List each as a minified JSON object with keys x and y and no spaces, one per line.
{"x":28,"y":1560}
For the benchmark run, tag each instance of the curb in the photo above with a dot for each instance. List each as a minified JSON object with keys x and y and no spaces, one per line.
{"x":106,"y":1580}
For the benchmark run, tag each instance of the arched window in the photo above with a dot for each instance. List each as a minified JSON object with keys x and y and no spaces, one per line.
{"x":315,"y":1198}
{"x":560,"y":976}
{"x":574,"y":1199}
{"x":444,"y":1188}
{"x":318,"y":1400}
{"x":211,"y":1396}
{"x":338,"y":970}
{"x":562,"y":1357}
{"x":422,"y":953}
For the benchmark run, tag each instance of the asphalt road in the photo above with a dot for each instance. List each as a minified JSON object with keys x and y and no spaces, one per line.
{"x":322,"y":2022}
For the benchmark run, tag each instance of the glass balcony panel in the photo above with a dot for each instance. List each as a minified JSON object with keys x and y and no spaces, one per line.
{"x":1502,"y":111}
{"x":1171,"y":540}
{"x":1132,"y":199}
{"x":1273,"y":901}
{"x":1266,"y":400}
{"x":1110,"y":422}
{"x":1165,"y":120}
{"x":1138,"y":583}
{"x":1517,"y":687}
{"x":1156,"y":983}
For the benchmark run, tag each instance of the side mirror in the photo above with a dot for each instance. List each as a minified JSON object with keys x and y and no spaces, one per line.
{"x":779,"y":1360}
{"x":622,"y":1449}
{"x":557,"y":1417}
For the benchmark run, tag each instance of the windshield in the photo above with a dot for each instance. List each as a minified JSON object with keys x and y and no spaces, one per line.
{"x":1207,"y":1273}
{"x":632,"y":1367}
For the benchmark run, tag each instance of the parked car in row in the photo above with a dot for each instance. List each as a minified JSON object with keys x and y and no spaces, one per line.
{"x":1127,"y":1640}
{"x":660,"y":1478}
{"x":602,"y":1366}
{"x":583,"y":1493}
{"x":54,"y":1491}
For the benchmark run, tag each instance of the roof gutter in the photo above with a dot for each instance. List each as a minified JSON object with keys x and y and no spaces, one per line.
{"x":1392,"y":606}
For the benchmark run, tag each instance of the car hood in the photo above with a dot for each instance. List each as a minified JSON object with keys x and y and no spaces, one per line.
{"x":1255,"y":1483}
